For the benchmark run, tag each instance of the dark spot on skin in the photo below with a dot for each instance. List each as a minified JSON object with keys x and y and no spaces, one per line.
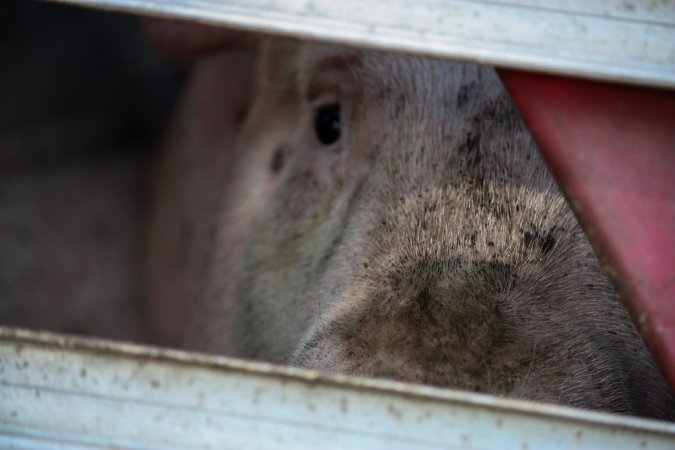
{"x":399,"y":105}
{"x":545,"y":242}
{"x":277,"y":161}
{"x":463,"y":96}
{"x":465,"y":93}
{"x":424,"y":301}
{"x":496,"y":273}
{"x":470,"y":149}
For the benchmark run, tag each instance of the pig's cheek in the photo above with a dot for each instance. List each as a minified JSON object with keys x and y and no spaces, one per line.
{"x":361,"y":143}
{"x":304,"y":196}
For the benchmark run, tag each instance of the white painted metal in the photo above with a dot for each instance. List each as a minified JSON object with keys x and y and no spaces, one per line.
{"x":59,"y":392}
{"x":620,"y":40}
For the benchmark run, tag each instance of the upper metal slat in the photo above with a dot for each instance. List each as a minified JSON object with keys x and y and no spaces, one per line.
{"x":613,"y":40}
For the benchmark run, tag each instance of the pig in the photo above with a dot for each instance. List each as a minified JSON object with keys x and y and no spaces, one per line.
{"x":386,"y":215}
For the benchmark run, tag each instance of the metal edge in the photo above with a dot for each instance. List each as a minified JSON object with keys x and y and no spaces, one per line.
{"x":198,"y":13}
{"x":158,"y":355}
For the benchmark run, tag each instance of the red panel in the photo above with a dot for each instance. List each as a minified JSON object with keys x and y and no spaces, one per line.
{"x":612,"y":149}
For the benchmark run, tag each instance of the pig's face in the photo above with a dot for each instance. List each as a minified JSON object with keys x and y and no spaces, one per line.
{"x":391,"y":217}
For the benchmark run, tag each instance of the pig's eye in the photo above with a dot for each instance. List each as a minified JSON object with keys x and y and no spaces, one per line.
{"x":327,"y":123}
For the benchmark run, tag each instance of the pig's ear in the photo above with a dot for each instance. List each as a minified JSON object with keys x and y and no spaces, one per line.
{"x":185,"y":40}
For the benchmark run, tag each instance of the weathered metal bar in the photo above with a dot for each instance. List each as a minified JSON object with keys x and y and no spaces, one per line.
{"x":72,"y":393}
{"x":608,"y":40}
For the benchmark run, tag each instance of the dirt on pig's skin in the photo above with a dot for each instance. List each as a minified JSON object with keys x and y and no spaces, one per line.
{"x":389,"y":216}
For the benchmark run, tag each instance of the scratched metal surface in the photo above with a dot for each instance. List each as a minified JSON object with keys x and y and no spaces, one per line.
{"x":619,"y":40}
{"x":59,"y":392}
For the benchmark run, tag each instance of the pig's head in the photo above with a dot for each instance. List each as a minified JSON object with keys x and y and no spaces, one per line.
{"x":389,"y":216}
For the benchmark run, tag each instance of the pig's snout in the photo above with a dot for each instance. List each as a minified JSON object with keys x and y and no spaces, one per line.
{"x":470,"y":325}
{"x":419,"y":325}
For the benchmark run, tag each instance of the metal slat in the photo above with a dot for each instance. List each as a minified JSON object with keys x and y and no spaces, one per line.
{"x":68,"y":393}
{"x":608,"y":40}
